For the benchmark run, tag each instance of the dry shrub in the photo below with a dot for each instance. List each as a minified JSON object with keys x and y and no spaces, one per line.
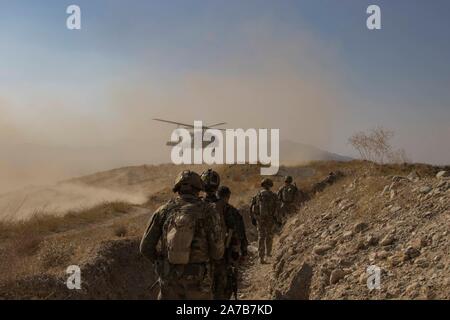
{"x":41,"y":223}
{"x":54,"y":254}
{"x":26,"y":245}
{"x":120,"y":230}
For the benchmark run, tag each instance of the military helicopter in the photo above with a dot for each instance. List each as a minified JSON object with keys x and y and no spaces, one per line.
{"x":191,"y":128}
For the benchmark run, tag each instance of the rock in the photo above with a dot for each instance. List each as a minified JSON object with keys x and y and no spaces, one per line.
{"x":442,"y":184}
{"x":412,"y":290}
{"x":427,"y":214}
{"x":392,"y":195}
{"x":395,"y":209}
{"x":361,"y":226}
{"x":363,"y":278}
{"x":372,"y":240}
{"x":360,"y":246}
{"x":393,"y":186}
{"x":443,"y":174}
{"x":300,"y":286}
{"x":327,"y":216}
{"x":410,"y":253}
{"x":398,"y":178}
{"x":387,"y":240}
{"x":252,"y":249}
{"x":425,"y":189}
{"x":419,"y":243}
{"x":345,"y":205}
{"x":382,"y":255}
{"x":422,"y":263}
{"x":320,"y":250}
{"x":413,"y":176}
{"x":395,"y":260}
{"x":345,"y":262}
{"x":347,"y":235}
{"x":337,"y":275}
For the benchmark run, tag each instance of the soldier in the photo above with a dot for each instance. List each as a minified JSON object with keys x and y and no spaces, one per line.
{"x":190,"y":237}
{"x":225,"y":273}
{"x":287,"y":195}
{"x":264,"y":212}
{"x":211,"y":181}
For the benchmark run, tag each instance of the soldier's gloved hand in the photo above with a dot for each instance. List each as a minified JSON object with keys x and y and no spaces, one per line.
{"x":254,"y":222}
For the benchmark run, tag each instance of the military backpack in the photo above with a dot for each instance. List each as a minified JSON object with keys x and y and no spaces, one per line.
{"x":179,"y":231}
{"x":289,"y":192}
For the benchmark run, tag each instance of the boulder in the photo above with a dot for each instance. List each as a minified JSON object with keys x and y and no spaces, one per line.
{"x":425,"y":189}
{"x":413,"y":176}
{"x":372,"y":240}
{"x":300,"y":286}
{"x":337,"y":275}
{"x":360,"y":227}
{"x":387,"y":240}
{"x":395,"y":209}
{"x":410,"y":253}
{"x":443,"y":174}
{"x":321,"y":250}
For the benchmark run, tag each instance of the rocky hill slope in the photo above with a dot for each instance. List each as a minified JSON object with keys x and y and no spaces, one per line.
{"x":393,"y":217}
{"x":399,"y":224}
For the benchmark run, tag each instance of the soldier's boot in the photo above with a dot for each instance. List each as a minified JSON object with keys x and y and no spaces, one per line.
{"x":261,"y":245}
{"x":261,"y":260}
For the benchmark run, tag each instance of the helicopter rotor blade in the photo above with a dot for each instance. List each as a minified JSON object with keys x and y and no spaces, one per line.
{"x":174,"y":122}
{"x":216,"y":125}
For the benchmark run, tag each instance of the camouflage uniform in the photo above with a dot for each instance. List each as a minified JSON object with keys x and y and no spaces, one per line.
{"x":265,"y":214}
{"x":211,"y":180}
{"x":287,"y":195}
{"x":226,"y":271}
{"x":194,"y":279}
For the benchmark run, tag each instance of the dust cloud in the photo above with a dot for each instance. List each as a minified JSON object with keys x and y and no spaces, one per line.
{"x":49,"y":135}
{"x":58,"y":200}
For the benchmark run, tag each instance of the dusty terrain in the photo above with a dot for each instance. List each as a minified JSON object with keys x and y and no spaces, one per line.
{"x":394,"y":217}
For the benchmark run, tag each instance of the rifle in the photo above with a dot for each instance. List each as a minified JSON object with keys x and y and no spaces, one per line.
{"x":158,"y":268}
{"x":233,"y":279}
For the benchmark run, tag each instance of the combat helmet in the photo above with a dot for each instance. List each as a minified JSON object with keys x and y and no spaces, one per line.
{"x":223,"y":192}
{"x":211,"y":180}
{"x":188,"y":179}
{"x":266,"y":182}
{"x":288,"y":179}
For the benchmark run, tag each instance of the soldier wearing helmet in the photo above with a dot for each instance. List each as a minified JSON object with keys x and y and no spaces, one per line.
{"x":265,"y":215}
{"x":188,"y":232}
{"x":287,"y":195}
{"x":225,"y":272}
{"x":211,"y":181}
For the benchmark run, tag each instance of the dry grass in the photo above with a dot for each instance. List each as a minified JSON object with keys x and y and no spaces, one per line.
{"x":41,"y":223}
{"x":54,"y":254}
{"x":27,"y":244}
{"x":120,"y":230}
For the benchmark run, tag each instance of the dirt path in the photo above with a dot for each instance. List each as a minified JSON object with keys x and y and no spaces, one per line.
{"x":256,"y":277}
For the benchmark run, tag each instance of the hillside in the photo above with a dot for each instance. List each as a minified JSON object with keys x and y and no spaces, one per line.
{"x":295,"y":153}
{"x":394,"y":217}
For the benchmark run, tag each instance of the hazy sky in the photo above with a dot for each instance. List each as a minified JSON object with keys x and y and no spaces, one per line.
{"x":76,"y":101}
